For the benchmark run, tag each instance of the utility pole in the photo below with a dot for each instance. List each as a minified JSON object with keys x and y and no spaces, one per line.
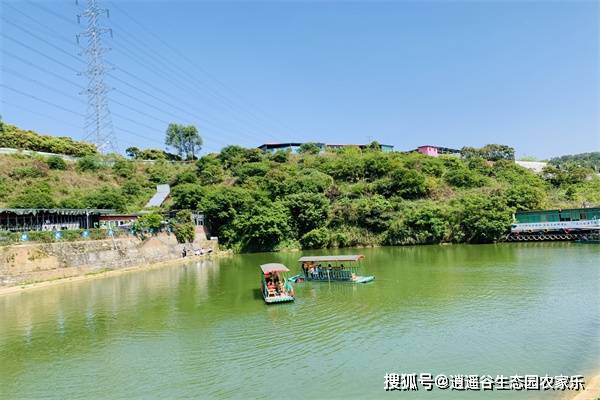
{"x":98,"y":121}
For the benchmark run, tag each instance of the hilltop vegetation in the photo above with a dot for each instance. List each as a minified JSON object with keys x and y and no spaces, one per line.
{"x":13,"y":137}
{"x":585,"y":160}
{"x":110,"y":182}
{"x":258,"y":201}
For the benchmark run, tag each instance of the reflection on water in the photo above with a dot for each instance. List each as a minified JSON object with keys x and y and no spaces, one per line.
{"x":202,"y":330}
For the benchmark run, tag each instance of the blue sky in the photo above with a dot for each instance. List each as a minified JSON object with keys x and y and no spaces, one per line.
{"x":405,"y":73}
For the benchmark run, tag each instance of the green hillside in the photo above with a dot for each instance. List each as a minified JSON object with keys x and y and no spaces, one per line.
{"x":258,"y":201}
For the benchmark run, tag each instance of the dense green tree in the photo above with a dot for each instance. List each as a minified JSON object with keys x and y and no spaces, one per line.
{"x":347,"y":165}
{"x":184,"y":229}
{"x":407,"y":183}
{"x":151,"y":154}
{"x":151,"y":222}
{"x":464,"y":178}
{"x":187,"y":196}
{"x":221,"y":206}
{"x":525,"y":197}
{"x":309,"y":148}
{"x":251,"y":169}
{"x":184,"y":233}
{"x":376,"y":164}
{"x":423,"y":225}
{"x":373,"y":213}
{"x":185,"y":139}
{"x":315,"y":239}
{"x":483,"y":218}
{"x":309,"y":180}
{"x":374,"y":145}
{"x":132,"y":152}
{"x":232,"y":156}
{"x":587,"y":160}
{"x":308,"y":211}
{"x":492,"y":152}
{"x":568,"y":174}
{"x":280,"y":156}
{"x":263,"y":228}
{"x":185,"y":177}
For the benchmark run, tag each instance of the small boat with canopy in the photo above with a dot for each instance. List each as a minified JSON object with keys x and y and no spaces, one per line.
{"x":341,"y":268}
{"x":274,"y":286}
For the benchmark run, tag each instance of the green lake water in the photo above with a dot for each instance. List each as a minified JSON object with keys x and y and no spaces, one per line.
{"x":202,"y":330}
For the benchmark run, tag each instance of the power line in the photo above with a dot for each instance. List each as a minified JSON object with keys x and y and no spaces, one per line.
{"x":72,"y":69}
{"x":62,"y":78}
{"x":67,"y":123}
{"x":28,"y":109}
{"x":177,"y":73}
{"x":38,"y":52}
{"x":180,"y":54}
{"x":51,"y":12}
{"x":41,"y":39}
{"x":55,"y":60}
{"x":40,"y":100}
{"x":165,"y":76}
{"x":57,"y":34}
{"x":73,"y":98}
{"x":25,"y":77}
{"x":24,"y":61}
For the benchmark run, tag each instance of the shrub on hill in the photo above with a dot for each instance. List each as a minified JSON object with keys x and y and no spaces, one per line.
{"x":56,"y":162}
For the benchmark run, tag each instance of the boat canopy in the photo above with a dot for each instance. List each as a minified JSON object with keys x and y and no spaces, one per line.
{"x":345,"y":258}
{"x":273,"y":267}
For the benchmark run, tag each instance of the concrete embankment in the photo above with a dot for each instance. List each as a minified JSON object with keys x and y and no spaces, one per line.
{"x":39,"y":262}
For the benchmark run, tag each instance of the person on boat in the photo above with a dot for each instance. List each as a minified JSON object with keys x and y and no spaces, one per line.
{"x":281,"y":288}
{"x":316,"y":271}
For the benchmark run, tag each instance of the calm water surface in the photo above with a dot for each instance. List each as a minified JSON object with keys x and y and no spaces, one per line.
{"x":203,"y":331}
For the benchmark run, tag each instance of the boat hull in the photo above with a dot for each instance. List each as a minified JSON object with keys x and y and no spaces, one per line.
{"x":364,"y":279}
{"x":278,"y":299}
{"x":357,"y":279}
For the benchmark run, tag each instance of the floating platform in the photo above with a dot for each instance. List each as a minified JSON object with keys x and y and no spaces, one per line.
{"x":552,"y":237}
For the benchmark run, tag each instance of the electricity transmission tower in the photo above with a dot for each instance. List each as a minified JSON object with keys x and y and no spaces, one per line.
{"x":98,"y":121}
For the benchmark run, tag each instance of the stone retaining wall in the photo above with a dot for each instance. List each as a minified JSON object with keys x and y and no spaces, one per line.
{"x":37,"y":262}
